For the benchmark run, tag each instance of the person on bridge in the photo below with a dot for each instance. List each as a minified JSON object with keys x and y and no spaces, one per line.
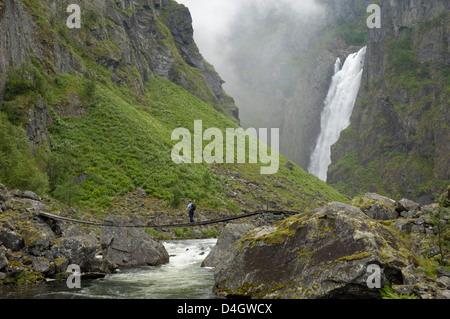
{"x":191,"y":209}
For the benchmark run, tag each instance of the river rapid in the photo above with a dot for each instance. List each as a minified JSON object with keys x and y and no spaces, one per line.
{"x":181,"y":278}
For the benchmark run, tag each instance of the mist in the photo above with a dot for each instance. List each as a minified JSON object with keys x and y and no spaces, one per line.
{"x":216,"y":23}
{"x":262,"y":50}
{"x":212,"y":20}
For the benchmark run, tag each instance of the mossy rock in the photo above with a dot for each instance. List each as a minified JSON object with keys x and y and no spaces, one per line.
{"x":377,"y":206}
{"x":320,"y":254}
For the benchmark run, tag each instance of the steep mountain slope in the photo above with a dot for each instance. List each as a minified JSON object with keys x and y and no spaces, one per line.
{"x":99,"y":105}
{"x":398,"y":140}
{"x":116,"y":36}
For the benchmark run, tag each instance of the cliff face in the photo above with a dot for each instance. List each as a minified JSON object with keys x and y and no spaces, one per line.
{"x":398,"y":142}
{"x":151,"y":36}
{"x":286,"y":60}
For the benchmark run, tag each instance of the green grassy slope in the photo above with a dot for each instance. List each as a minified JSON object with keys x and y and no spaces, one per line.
{"x":109,"y":137}
{"x":119,"y":146}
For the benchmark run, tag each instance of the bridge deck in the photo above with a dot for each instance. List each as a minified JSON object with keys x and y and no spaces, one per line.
{"x":150,"y":225}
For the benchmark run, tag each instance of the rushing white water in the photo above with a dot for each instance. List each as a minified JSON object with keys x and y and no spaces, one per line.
{"x":337,"y":110}
{"x":181,"y":278}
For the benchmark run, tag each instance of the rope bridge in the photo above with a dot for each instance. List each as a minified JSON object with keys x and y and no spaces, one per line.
{"x":151,"y":225}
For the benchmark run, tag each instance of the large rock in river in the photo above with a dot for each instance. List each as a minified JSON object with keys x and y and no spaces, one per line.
{"x":130,"y":247}
{"x":321,"y":254}
{"x":223,"y":249}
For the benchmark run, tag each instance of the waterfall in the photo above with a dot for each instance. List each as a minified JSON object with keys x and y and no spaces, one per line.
{"x":337,"y":110}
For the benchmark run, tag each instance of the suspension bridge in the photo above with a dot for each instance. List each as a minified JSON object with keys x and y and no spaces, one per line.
{"x":152,"y":225}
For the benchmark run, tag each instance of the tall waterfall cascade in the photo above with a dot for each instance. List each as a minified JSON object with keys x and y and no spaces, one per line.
{"x":337,"y":110}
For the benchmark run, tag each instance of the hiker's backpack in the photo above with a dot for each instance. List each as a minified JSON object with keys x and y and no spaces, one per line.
{"x":193,"y":207}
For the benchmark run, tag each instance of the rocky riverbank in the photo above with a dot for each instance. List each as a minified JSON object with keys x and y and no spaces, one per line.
{"x":36,"y":249}
{"x":323,"y":253}
{"x":329,"y":253}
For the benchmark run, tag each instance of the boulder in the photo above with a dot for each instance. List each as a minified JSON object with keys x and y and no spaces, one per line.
{"x":409,"y":275}
{"x":61,"y":264}
{"x":34,"y":205}
{"x":14,"y":268}
{"x":6,"y":206}
{"x":418,"y":229}
{"x":377,"y":207}
{"x":30,"y":195}
{"x":79,"y":250}
{"x":229,"y":235}
{"x":41,"y":264}
{"x":430,"y":207}
{"x":409,"y":205}
{"x":130,"y":247}
{"x":381,"y":212}
{"x":403,"y":225}
{"x":442,"y":272}
{"x":443,"y":282}
{"x":10,"y":239}
{"x":409,"y":214}
{"x":329,"y":252}
{"x":390,"y":203}
{"x":37,"y":236}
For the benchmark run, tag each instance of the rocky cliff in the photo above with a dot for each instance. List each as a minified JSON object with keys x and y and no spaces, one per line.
{"x":153,"y":37}
{"x":285,"y":62}
{"x":398,"y":140}
{"x":397,"y":143}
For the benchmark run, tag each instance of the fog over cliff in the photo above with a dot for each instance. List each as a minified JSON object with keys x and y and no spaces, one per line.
{"x":256,"y":46}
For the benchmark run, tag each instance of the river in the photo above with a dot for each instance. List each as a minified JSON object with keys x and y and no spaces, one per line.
{"x":181,"y":278}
